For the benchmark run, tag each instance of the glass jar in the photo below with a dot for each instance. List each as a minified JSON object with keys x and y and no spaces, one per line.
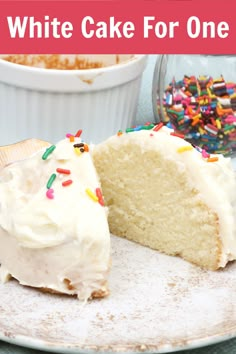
{"x":196,"y":96}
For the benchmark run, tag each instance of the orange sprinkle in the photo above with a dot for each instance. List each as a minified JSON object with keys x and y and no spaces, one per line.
{"x":119,"y":133}
{"x":72,"y":138}
{"x":86,"y":148}
{"x":195,"y":122}
{"x":212,"y":159}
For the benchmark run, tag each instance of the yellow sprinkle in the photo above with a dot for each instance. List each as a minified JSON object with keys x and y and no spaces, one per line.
{"x":210,"y":94}
{"x":77,"y":151}
{"x":212,"y":159}
{"x":184,"y":148}
{"x":217,"y":79}
{"x":233,"y":95}
{"x":91,"y":195}
{"x":226,"y":132}
{"x":218,"y":124}
{"x":198,"y":116}
{"x":201,"y":131}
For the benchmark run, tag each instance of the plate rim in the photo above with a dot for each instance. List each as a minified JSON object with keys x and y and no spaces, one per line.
{"x":38,"y":344}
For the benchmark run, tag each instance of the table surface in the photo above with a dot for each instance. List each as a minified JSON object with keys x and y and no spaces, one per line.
{"x":145,"y":113}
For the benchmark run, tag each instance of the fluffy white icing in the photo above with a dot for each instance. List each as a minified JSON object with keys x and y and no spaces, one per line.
{"x":215,"y":181}
{"x":44,"y":241}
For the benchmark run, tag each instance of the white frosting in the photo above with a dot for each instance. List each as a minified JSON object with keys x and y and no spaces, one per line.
{"x":215,"y":181}
{"x":45,"y":241}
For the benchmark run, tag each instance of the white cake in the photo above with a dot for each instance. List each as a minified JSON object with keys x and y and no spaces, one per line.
{"x":160,"y":190}
{"x":164,"y":193}
{"x":54,"y":233}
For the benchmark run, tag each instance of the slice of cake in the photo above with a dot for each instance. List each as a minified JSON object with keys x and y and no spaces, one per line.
{"x":164,"y":193}
{"x":53,"y":225}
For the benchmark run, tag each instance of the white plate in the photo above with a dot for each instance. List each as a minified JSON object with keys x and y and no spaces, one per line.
{"x":157,"y":304}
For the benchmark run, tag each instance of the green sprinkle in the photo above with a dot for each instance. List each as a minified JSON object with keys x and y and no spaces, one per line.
{"x":51,"y":180}
{"x":147,"y":127}
{"x":229,"y":127}
{"x":171,"y":111}
{"x":48,"y":152}
{"x":129,"y":130}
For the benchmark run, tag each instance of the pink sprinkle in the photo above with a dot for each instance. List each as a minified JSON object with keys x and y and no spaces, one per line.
{"x":230,"y":119}
{"x":178,"y":98}
{"x":68,"y":135}
{"x":151,"y":135}
{"x":186,"y":101}
{"x":50,"y":193}
{"x":205,"y":155}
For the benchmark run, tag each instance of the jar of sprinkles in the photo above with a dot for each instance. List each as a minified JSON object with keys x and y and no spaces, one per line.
{"x":196,"y":96}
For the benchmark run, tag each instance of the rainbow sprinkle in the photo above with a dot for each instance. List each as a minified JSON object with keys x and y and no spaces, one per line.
{"x":212,"y":159}
{"x":77,"y":151}
{"x":158,"y":127}
{"x":63,"y":171}
{"x":78,"y":134}
{"x":91,"y":195}
{"x":86,"y":148}
{"x":177,"y":134}
{"x":48,"y":152}
{"x":50,"y":193}
{"x":100,"y":196}
{"x":79,"y":145}
{"x":67,"y":183}
{"x":51,"y":180}
{"x":203,"y":109}
{"x":184,"y":148}
{"x":205,"y":154}
{"x":80,"y":148}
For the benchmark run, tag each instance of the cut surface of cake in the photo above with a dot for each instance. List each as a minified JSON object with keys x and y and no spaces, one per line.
{"x":53,"y":224}
{"x":166,"y":194}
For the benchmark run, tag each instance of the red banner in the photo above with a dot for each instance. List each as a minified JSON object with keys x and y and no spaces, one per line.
{"x":106,"y":27}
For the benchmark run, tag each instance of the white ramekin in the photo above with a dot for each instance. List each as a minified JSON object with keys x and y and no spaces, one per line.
{"x":48,"y":103}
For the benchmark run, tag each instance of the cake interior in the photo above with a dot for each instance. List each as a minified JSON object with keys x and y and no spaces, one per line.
{"x":151,"y":202}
